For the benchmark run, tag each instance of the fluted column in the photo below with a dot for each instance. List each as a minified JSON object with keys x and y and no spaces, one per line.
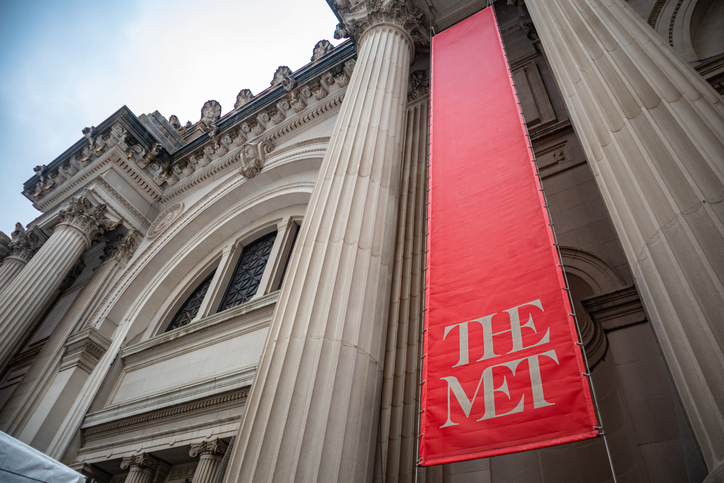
{"x":21,"y":249}
{"x":210,"y":454}
{"x":141,"y":468}
{"x":396,"y":456}
{"x":653,"y":131}
{"x":29,"y":293}
{"x":313,"y":409}
{"x":22,"y":406}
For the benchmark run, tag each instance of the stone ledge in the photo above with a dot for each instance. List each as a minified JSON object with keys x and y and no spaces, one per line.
{"x":173,"y":397}
{"x":210,"y":321}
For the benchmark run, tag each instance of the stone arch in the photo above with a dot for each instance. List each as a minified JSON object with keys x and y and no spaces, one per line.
{"x":587,"y":276}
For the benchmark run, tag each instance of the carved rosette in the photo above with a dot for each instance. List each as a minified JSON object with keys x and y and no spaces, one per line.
{"x":359,"y":18}
{"x":24,"y":244}
{"x":165,"y":219}
{"x":214,"y":447}
{"x":86,"y":218}
{"x":143,"y":460}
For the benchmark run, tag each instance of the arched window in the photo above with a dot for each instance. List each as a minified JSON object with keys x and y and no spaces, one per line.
{"x":247,"y":275}
{"x":190,"y":308}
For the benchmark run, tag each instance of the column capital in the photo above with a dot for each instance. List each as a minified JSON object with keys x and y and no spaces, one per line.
{"x":86,"y":218}
{"x":121,"y":248}
{"x":358,"y":17}
{"x":143,"y":461}
{"x":24,"y":243}
{"x":214,"y":447}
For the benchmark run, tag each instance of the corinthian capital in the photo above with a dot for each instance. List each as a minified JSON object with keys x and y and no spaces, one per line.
{"x":361,"y":15}
{"x":214,"y":447}
{"x":88,"y":219}
{"x":142,"y":460}
{"x":24,"y":244}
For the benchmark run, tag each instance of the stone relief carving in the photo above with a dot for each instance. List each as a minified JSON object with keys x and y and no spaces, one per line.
{"x":297,"y":102}
{"x":175,"y":123}
{"x":97,"y":144}
{"x":74,"y":273}
{"x":243,"y":97}
{"x":165,"y":219}
{"x":121,"y":248}
{"x":252,"y":157}
{"x":82,"y":215}
{"x":319,"y":90}
{"x":214,"y":447}
{"x":418,"y":85}
{"x":321,"y":48}
{"x":285,"y":77}
{"x":376,"y":12}
{"x":142,"y":460}
{"x":149,"y":157}
{"x":23,"y":244}
{"x":210,"y":115}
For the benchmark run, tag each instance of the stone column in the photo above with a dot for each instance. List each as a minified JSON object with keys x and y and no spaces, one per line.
{"x":210,"y":454}
{"x":32,"y":289}
{"x":141,"y":468}
{"x":22,"y":409}
{"x":21,"y":249}
{"x":653,"y":131}
{"x":313,"y":409}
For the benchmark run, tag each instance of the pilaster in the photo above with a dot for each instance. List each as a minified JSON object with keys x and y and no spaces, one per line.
{"x":653,"y":131}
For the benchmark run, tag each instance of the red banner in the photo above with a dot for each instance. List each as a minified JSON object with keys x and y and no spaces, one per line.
{"x":501,"y":371}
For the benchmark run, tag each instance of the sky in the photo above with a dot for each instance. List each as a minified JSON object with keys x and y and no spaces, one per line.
{"x":68,"y":64}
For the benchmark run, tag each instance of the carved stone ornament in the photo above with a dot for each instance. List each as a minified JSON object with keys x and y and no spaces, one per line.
{"x":24,"y":244}
{"x":243,"y":97}
{"x":122,"y":248}
{"x":88,"y":219}
{"x":214,"y":447}
{"x":142,"y":460}
{"x":210,"y":115}
{"x":322,"y":48}
{"x":175,"y":123}
{"x":252,"y":158}
{"x":74,"y":273}
{"x":165,"y":219}
{"x":285,"y":77}
{"x":150,"y":156}
{"x":418,"y":86}
{"x":360,"y":17}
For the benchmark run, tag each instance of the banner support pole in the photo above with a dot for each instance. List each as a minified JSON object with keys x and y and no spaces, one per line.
{"x":600,"y":428}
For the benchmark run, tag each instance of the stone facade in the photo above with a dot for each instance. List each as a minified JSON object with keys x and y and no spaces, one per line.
{"x":282,"y":242}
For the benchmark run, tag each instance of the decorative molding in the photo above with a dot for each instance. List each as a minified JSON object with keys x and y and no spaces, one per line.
{"x":165,"y":219}
{"x":24,"y":244}
{"x":357,"y":19}
{"x":86,"y":218}
{"x":656,"y":12}
{"x":89,"y":430}
{"x":418,"y":85}
{"x":616,"y":309}
{"x":321,"y":48}
{"x":214,"y":447}
{"x":84,"y":350}
{"x":120,"y":199}
{"x":210,"y":115}
{"x":284,"y":76}
{"x":243,"y":98}
{"x":142,"y":460}
{"x":122,"y":248}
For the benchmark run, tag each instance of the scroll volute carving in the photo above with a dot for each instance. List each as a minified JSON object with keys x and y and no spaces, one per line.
{"x":253,"y":157}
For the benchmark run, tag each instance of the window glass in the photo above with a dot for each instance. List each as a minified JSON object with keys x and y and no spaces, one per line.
{"x":247,"y":275}
{"x":190,"y":308}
